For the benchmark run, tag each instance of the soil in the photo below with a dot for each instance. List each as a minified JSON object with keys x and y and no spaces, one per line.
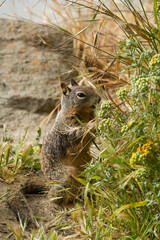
{"x":26,"y":198}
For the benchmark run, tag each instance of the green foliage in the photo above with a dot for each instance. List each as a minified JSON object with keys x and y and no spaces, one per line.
{"x":122,"y":193}
{"x":15,"y":157}
{"x":126,"y":183}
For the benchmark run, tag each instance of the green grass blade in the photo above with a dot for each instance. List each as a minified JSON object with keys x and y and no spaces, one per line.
{"x":128,"y":206}
{"x":155,"y":12}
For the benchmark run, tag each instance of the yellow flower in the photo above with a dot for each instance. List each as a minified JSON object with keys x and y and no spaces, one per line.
{"x":138,"y":149}
{"x":147,"y":145}
{"x":132,"y":159}
{"x":145,"y":148}
{"x":130,"y":123}
{"x":37,"y":148}
{"x":144,"y":151}
{"x":155,"y":56}
{"x":154,"y":62}
{"x":133,"y":154}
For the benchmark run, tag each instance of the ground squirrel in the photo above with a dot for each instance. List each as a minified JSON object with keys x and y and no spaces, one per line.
{"x":65,"y":147}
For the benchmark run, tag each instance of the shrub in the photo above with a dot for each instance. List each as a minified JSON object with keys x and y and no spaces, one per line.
{"x":122,"y":185}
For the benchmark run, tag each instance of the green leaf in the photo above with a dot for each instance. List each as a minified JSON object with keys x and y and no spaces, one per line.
{"x":155,"y":12}
{"x":7,"y":154}
{"x":64,"y":30}
{"x":96,"y":178}
{"x":128,"y":206}
{"x":135,"y":141}
{"x":80,"y":180}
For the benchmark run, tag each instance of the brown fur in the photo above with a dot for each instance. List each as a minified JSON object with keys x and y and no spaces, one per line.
{"x":65,"y":148}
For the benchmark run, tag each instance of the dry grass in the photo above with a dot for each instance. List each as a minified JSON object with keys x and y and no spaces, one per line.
{"x":96,"y":31}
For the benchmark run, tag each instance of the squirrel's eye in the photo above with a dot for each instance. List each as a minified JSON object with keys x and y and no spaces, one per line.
{"x":81,"y":95}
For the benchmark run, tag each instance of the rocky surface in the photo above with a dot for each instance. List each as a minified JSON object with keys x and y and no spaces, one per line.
{"x":32,"y":57}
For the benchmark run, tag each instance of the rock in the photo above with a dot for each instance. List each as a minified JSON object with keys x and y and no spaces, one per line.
{"x":31,"y":103}
{"x":32,"y":58}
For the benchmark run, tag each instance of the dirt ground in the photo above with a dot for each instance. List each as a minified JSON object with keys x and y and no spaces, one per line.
{"x":30,"y":202}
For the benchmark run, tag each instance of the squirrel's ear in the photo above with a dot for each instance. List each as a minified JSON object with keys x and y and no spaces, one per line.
{"x":65,"y":89}
{"x":73,"y":82}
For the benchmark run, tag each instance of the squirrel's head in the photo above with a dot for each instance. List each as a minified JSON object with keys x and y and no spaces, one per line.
{"x":79,"y":100}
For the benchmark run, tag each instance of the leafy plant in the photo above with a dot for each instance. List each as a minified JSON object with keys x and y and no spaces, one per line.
{"x":122,"y":195}
{"x":15,"y":157}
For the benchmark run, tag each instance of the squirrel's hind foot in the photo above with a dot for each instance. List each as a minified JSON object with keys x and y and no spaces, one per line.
{"x":64,"y":195}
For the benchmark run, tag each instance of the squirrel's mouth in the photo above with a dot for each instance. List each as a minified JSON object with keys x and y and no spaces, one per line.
{"x":93,"y":107}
